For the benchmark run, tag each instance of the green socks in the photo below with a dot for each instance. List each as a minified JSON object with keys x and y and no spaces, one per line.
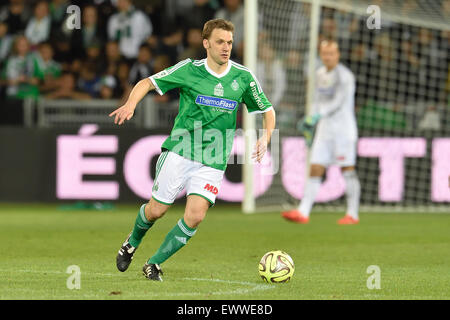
{"x":140,"y":228}
{"x":175,"y":240}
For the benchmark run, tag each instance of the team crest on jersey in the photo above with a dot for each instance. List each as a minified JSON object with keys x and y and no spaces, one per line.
{"x":235,"y":85}
{"x":218,"y":90}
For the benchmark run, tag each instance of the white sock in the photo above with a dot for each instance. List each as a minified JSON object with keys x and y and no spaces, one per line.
{"x":311,"y":189}
{"x":352,"y":191}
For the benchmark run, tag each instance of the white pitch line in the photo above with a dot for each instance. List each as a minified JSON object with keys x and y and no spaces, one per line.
{"x":250,"y":286}
{"x":255,"y":286}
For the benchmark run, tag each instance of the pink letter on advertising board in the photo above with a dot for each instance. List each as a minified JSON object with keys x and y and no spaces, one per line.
{"x":293,"y":173}
{"x":136,"y":166}
{"x":440,"y":188}
{"x":392,"y":152}
{"x":72,"y":165}
{"x":293,"y":167}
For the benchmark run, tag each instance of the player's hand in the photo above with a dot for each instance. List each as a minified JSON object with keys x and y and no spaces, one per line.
{"x":123,"y":113}
{"x":311,"y":121}
{"x":260,"y":149}
{"x":307,"y":127}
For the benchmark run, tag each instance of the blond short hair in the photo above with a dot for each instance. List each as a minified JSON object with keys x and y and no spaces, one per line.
{"x":216,"y":24}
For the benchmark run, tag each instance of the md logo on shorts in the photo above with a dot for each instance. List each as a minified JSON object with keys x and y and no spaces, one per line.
{"x":216,"y":102}
{"x":211,"y":189}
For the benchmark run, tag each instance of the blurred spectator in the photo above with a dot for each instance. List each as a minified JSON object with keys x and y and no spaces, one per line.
{"x":169,"y":39}
{"x":16,"y":16}
{"x":359,"y":63}
{"x":19,"y":71}
{"x":344,"y":20}
{"x":271,"y":73}
{"x":123,"y":86}
{"x":38,"y":28}
{"x":46,"y":70}
{"x":409,"y":65}
{"x":89,"y":81}
{"x":445,"y":9}
{"x":383,"y":80}
{"x":431,"y":120}
{"x":58,"y":12}
{"x":6,"y":41}
{"x":432,"y":75}
{"x":175,"y":9}
{"x":328,"y":28}
{"x":90,"y":33}
{"x":111,"y":59}
{"x":295,"y":67}
{"x":295,"y":73}
{"x":142,"y":68}
{"x":93,"y":57}
{"x":409,"y":8}
{"x":130,"y":27}
{"x":234,"y":12}
{"x":67,"y":89}
{"x":161,"y":63}
{"x":199,"y":13}
{"x":108,"y":87}
{"x":62,"y":50}
{"x":170,"y":44}
{"x":194,"y":49}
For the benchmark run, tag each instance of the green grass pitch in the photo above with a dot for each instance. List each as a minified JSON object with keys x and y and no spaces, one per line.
{"x":39,"y":243}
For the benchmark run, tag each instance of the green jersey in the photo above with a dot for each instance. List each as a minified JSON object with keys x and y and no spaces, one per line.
{"x":205,"y":125}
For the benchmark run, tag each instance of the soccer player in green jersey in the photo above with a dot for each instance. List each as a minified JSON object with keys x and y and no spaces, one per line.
{"x":195,"y":155}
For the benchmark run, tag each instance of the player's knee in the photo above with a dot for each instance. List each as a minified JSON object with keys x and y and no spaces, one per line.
{"x":348,"y":169}
{"x":194,"y":216}
{"x":155,"y":210}
{"x":316,"y":170}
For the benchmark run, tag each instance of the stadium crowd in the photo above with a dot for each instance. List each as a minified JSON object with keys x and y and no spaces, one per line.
{"x":120,"y":42}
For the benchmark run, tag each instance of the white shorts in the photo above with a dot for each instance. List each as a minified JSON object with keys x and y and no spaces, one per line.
{"x":174,"y":173}
{"x":326,"y":152}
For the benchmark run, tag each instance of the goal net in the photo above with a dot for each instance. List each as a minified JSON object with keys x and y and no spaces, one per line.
{"x":399,"y":54}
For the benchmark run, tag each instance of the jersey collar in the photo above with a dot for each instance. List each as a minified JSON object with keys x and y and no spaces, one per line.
{"x":223,"y":74}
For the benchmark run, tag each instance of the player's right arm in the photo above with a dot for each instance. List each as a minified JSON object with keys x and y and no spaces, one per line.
{"x":170,"y":78}
{"x":126,"y":111}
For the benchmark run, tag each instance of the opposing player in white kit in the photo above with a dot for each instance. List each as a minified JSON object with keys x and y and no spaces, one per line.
{"x":196,"y":153}
{"x":335,"y":137}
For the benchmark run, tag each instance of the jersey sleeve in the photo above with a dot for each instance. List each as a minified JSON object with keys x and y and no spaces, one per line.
{"x":172,"y":77}
{"x":254,"y":98}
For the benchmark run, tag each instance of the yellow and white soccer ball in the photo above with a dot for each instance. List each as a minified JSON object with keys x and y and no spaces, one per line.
{"x":276,"y":266}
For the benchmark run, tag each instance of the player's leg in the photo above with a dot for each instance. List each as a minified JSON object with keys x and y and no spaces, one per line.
{"x":202,"y":187}
{"x":311,"y":188}
{"x":183,"y":231}
{"x":352,"y":192}
{"x":169,"y":180}
{"x":346,"y":159}
{"x":147,"y":215}
{"x":320,"y":157}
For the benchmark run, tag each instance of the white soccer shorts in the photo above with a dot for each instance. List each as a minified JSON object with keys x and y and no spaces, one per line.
{"x":174,"y":173}
{"x":326,"y":152}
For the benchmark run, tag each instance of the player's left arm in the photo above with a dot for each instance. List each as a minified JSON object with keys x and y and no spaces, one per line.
{"x":268,"y":127}
{"x":257,"y":102}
